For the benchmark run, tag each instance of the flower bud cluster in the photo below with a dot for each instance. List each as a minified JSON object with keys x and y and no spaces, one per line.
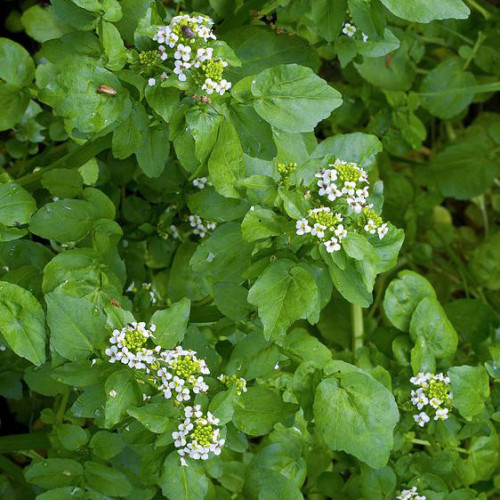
{"x":345,"y":185}
{"x":201,"y":227}
{"x":188,"y":37}
{"x":241,"y":383}
{"x":433,"y":394}
{"x":198,"y":435}
{"x":200,"y":182}
{"x":410,"y":495}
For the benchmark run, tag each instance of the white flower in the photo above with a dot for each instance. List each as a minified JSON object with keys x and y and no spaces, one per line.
{"x":349,"y":30}
{"x":421,"y":419}
{"x":180,"y":68}
{"x":420,"y":379}
{"x":209,"y":86}
{"x":223,"y":86}
{"x":151,"y":82}
{"x":441,"y":414}
{"x":435,"y":403}
{"x":340,"y":232}
{"x":370,"y":227}
{"x":113,"y":393}
{"x":204,"y":54}
{"x":333,"y":192}
{"x":332,"y":245}
{"x":383,"y":230}
{"x":183,"y":52}
{"x":318,"y":230}
{"x":365,"y":37}
{"x":419,"y":399}
{"x":302,"y":227}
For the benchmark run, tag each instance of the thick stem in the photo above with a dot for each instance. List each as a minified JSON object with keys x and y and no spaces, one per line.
{"x":357,"y":327}
{"x":74,"y":159}
{"x":479,"y":8}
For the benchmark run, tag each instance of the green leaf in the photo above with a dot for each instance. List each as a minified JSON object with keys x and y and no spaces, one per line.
{"x":54,"y":473}
{"x":258,"y":410}
{"x":210,"y":205}
{"x":179,"y":482}
{"x":152,"y":154}
{"x":16,"y":205}
{"x":225,"y":164}
{"x":77,"y":327}
{"x":163,"y":100}
{"x":470,"y":386}
{"x":106,"y":480}
{"x":22,"y":322}
{"x":63,"y":182}
{"x":425,"y":11}
{"x":328,"y":17}
{"x":265,"y":483}
{"x":106,"y":444}
{"x":260,"y":223}
{"x":62,"y":220}
{"x":14,"y":102}
{"x":41,"y":24}
{"x":447,"y":90}
{"x":293,"y":98}
{"x":284,"y":293}
{"x":16,"y":65}
{"x":128,"y":136}
{"x":462,"y":171}
{"x":429,"y":323}
{"x":122,"y":392}
{"x":171,"y":324}
{"x":356,"y":414}
{"x":156,"y":417}
{"x":113,"y":46}
{"x":73,"y":94}
{"x":71,"y":437}
{"x":403,"y":296}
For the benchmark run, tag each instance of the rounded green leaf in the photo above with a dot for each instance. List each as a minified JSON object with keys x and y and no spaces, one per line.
{"x":22,"y":322}
{"x":425,"y":11}
{"x":470,"y":386}
{"x":16,"y":65}
{"x":356,"y":414}
{"x":293,"y":98}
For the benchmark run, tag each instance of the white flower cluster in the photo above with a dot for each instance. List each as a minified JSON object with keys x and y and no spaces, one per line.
{"x":410,"y":494}
{"x":200,"y":182}
{"x":180,"y":35}
{"x":350,"y":30}
{"x":344,"y":179}
{"x":153,"y":296}
{"x":181,"y":374}
{"x":127,"y":346}
{"x":201,"y":227}
{"x":345,"y":184}
{"x":198,"y":435}
{"x":434,"y":393}
{"x":175,"y":372}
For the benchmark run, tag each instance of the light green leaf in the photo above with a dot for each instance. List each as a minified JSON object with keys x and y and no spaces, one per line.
{"x":293,"y":98}
{"x":357,"y":414}
{"x":284,"y":293}
{"x":425,"y":11}
{"x":16,"y":205}
{"x":470,"y":386}
{"x":171,"y":324}
{"x":122,"y":392}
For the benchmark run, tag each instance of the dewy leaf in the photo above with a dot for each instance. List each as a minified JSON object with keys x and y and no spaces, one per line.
{"x":293,"y":98}
{"x":183,"y":483}
{"x":430,"y":323}
{"x":284,"y":293}
{"x":171,"y":324}
{"x":425,"y":11}
{"x":22,"y":322}
{"x":470,"y":386}
{"x":403,"y":296}
{"x":356,"y":414}
{"x":77,"y":327}
{"x":54,"y":473}
{"x":16,"y":205}
{"x":225,"y":164}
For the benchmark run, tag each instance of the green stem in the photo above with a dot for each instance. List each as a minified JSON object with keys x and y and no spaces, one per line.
{"x":420,"y":441}
{"x":357,"y":327}
{"x":480,"y":39}
{"x":479,"y":8}
{"x":19,"y":442}
{"x":74,"y":159}
{"x":62,"y":406}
